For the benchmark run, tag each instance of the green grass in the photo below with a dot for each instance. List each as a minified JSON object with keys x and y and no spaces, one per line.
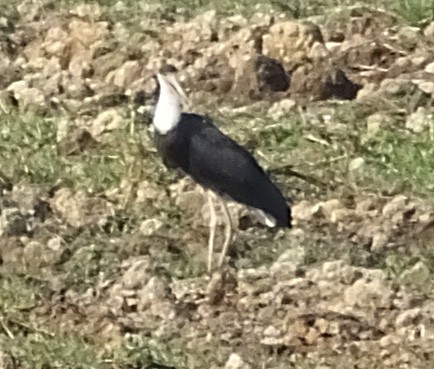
{"x":396,"y":161}
{"x":29,"y":151}
{"x":403,"y":160}
{"x":416,"y":12}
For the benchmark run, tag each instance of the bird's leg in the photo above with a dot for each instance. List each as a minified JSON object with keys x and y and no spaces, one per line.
{"x":212,"y":229}
{"x":228,"y":232}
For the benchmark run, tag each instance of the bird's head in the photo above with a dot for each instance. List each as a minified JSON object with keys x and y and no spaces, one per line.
{"x":170,"y":101}
{"x":169,"y":85}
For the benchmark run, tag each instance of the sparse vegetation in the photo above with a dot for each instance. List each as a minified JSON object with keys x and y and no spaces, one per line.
{"x":75,"y":312}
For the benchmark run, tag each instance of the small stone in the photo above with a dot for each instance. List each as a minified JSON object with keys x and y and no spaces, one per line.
{"x":37,"y":255}
{"x":426,"y":87}
{"x":429,"y":31}
{"x":327,"y":208}
{"x":92,"y":11}
{"x":366,"y":91}
{"x":12,"y":222}
{"x":389,"y":340}
{"x":271,"y":331}
{"x":296,"y":255}
{"x":281,"y":108}
{"x":396,"y":86}
{"x":322,"y":325}
{"x":365,"y":206}
{"x":155,"y":290}
{"x":137,"y":275}
{"x":409,"y":36}
{"x":367,"y":293}
{"x":235,"y":361}
{"x":190,"y":201}
{"x":419,"y":120}
{"x":396,"y":205}
{"x":356,"y":164}
{"x":27,"y":96}
{"x":108,"y":120}
{"x":302,"y":210}
{"x":332,"y":268}
{"x":150,"y":226}
{"x":379,"y":241}
{"x":409,"y":317}
{"x":79,"y":209}
{"x":126,"y":74}
{"x":375,"y":121}
{"x":418,"y":275}
{"x":429,"y":68}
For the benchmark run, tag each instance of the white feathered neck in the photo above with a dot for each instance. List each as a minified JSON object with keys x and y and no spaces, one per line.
{"x":169,"y":106}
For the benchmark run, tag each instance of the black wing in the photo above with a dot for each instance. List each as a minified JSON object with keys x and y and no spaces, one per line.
{"x":221,"y":164}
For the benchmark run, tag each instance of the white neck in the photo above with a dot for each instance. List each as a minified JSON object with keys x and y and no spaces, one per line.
{"x":168,"y":110}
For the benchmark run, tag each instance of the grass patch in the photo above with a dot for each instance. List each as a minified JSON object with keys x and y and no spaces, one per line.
{"x":401,"y":160}
{"x":395,"y":160}
{"x":43,"y":351}
{"x":29,"y":151}
{"x":416,"y":12}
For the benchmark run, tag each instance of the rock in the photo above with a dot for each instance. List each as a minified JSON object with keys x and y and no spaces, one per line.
{"x":80,"y":65}
{"x":243,"y":62}
{"x":396,"y":205}
{"x":365,"y":293}
{"x":418,"y":275}
{"x":419,"y":120}
{"x":38,"y":255}
{"x":367,"y":92}
{"x":156,"y":290}
{"x":26,"y":197}
{"x":426,"y":87}
{"x":202,"y":28}
{"x":76,"y":88}
{"x":296,"y":255}
{"x":396,"y":86}
{"x":6,"y":360}
{"x":408,"y":317}
{"x":356,"y":165}
{"x":150,"y":226}
{"x":429,"y":68}
{"x":291,"y":41}
{"x":125,"y":75}
{"x":366,"y":205}
{"x":429,"y":31}
{"x":379,"y":241}
{"x":138,"y":274}
{"x":377,"y":121}
{"x":91,"y":11}
{"x":147,"y":191}
{"x":327,"y":208}
{"x":78,"y":209}
{"x":27,"y":97}
{"x":108,"y":120}
{"x":235,"y":361}
{"x":409,"y":36}
{"x":12,"y":222}
{"x":191,"y":202}
{"x":303,"y":211}
{"x":281,"y":108}
{"x":85,"y":34}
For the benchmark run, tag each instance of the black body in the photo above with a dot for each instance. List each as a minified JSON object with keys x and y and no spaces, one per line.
{"x":217,"y":162}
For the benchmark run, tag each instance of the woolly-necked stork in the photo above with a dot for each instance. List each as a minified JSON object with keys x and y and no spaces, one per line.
{"x":193,"y":143}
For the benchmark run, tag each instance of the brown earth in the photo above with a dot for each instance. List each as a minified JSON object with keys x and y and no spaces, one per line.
{"x":130,"y":261}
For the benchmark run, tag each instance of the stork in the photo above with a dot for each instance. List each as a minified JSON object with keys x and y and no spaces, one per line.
{"x":192,"y":143}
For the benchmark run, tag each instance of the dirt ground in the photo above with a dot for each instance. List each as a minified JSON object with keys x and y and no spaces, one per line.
{"x":103,"y":249}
